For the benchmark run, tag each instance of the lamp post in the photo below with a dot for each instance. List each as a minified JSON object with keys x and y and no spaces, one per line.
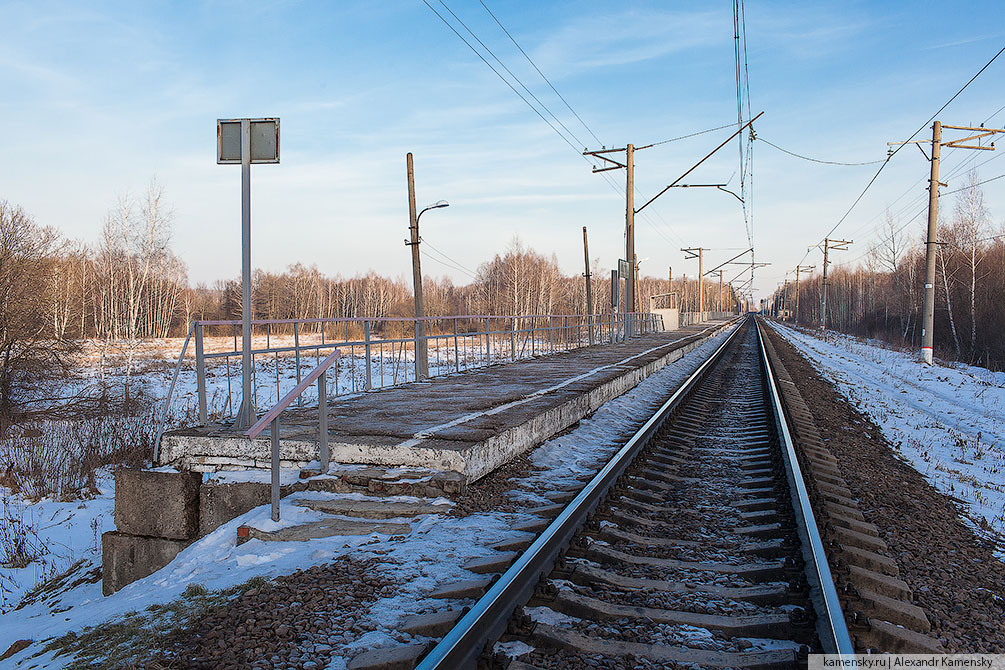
{"x":421,"y":355}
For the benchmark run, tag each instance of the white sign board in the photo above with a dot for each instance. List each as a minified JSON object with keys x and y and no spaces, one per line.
{"x":264,"y":141}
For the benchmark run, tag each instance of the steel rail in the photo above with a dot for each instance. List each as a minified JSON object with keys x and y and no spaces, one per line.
{"x":487,"y":618}
{"x":831,"y":627}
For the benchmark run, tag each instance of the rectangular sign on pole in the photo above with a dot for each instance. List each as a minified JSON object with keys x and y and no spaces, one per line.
{"x":615,"y":289}
{"x":264,"y":141}
{"x":623,"y":268}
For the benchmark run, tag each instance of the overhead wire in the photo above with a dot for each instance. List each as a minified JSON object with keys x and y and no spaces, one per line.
{"x":534,"y":65}
{"x":901,"y":146}
{"x":817,"y":160}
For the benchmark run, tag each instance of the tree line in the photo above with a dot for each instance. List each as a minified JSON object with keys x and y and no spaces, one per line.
{"x":883,"y":295}
{"x":130,"y":286}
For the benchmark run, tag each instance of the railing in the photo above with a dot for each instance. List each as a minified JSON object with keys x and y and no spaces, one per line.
{"x":377,"y":352}
{"x":271,"y":418}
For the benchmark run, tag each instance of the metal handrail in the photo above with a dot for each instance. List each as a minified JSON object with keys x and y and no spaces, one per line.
{"x":572,"y":331}
{"x":488,"y":617}
{"x":831,"y":626}
{"x":170,"y":393}
{"x":271,"y":418}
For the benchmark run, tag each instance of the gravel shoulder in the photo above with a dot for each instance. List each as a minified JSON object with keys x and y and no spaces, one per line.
{"x":954,"y":574}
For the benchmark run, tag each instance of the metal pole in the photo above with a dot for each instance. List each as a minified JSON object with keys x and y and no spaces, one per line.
{"x":275,"y":469}
{"x":823,"y":288}
{"x":200,"y":374}
{"x":589,"y":286}
{"x":366,"y":350}
{"x":296,"y":349}
{"x":796,"y":319}
{"x":421,"y":360}
{"x":246,"y":417}
{"x":323,"y":421}
{"x":928,"y":324}
{"x":701,"y":284}
{"x":630,"y":231}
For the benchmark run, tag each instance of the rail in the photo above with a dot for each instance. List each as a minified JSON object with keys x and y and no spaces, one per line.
{"x":831,"y":627}
{"x":271,"y":419}
{"x":487,"y":618}
{"x":377,"y":352}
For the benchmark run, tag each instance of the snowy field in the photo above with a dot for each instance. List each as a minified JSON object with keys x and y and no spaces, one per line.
{"x":946,"y":421}
{"x":431,"y":554}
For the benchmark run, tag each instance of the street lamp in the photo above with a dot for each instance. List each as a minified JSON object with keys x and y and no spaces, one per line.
{"x":436,"y":205}
{"x":421,"y":355}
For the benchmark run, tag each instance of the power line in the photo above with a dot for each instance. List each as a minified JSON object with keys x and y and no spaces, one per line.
{"x":969,"y":186}
{"x":534,"y":65}
{"x":684,"y":137}
{"x":901,"y":146}
{"x":510,"y":73}
{"x":498,"y":74}
{"x":459,"y":265}
{"x":817,"y":160}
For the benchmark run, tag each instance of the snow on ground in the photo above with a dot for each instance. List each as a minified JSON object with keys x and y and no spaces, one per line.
{"x":947,"y":422}
{"x":431,"y":554}
{"x":66,"y":532}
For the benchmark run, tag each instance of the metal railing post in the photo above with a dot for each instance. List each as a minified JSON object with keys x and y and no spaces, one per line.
{"x":296,"y":352}
{"x":512,"y":338}
{"x":200,"y":371}
{"x":533,"y":337}
{"x":323,"y":422}
{"x":457,"y":355}
{"x":366,"y":348}
{"x":488,"y":342}
{"x":275,"y":469}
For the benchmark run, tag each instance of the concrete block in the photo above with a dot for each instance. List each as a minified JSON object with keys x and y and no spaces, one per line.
{"x":126,"y":558}
{"x":219,"y":502}
{"x":157,"y":504}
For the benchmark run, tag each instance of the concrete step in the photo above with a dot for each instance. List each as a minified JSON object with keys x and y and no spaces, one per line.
{"x":373,"y":509}
{"x":328,"y":528}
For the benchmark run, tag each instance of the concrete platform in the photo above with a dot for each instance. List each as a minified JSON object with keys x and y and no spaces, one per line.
{"x":469,"y":423}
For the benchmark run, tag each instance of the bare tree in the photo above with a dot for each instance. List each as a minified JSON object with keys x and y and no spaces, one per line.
{"x":27,"y":348}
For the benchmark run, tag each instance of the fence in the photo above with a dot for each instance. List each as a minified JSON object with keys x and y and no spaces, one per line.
{"x":378,"y":352}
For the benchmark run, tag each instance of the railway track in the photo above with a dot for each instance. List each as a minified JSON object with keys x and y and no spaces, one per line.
{"x":695,"y":545}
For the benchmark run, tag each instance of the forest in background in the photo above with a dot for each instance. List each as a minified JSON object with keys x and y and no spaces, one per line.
{"x":881,"y":295}
{"x":131,"y":286}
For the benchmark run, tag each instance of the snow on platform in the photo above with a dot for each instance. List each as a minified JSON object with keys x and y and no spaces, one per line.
{"x":948,"y":422}
{"x":469,"y":423}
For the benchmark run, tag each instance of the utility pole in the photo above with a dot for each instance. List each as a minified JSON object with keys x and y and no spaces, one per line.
{"x":800,"y":268}
{"x":785,"y":294}
{"x":698,"y":252}
{"x":718,"y":303}
{"x":589,"y":287}
{"x":630,"y":211}
{"x":630,"y":227}
{"x":837,"y":245}
{"x":670,"y":302}
{"x":421,"y":355}
{"x":928,"y":312}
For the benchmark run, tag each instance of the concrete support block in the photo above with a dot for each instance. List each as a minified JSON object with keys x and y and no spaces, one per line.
{"x":157,"y":504}
{"x":126,"y":558}
{"x":219,"y":503}
{"x":889,"y":638}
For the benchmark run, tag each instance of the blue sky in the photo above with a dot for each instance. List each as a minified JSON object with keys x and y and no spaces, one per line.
{"x":100,"y":97}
